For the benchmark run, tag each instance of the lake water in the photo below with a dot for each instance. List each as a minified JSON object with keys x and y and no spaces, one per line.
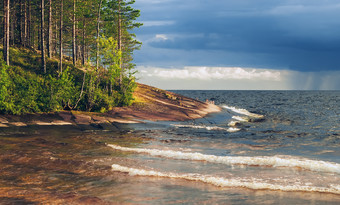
{"x":265,"y":147}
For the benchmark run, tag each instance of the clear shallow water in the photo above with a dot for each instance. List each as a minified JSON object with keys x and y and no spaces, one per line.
{"x":279,"y":147}
{"x":265,"y":147}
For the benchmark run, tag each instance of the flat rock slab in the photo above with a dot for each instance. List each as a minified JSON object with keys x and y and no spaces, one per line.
{"x":98,"y":119}
{"x":18,"y":124}
{"x":3,"y":125}
{"x":67,"y":116}
{"x":3,"y":120}
{"x":57,"y":122}
{"x":82,"y":119}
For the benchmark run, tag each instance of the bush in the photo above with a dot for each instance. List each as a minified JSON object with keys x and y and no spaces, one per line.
{"x":65,"y":91}
{"x":6,"y":103}
{"x":24,"y":92}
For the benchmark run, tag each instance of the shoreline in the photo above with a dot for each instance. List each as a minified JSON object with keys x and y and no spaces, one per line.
{"x":47,"y":157}
{"x":152,"y":104}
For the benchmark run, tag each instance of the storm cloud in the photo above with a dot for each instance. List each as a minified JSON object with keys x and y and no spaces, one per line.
{"x":299,"y":35}
{"x":302,"y":36}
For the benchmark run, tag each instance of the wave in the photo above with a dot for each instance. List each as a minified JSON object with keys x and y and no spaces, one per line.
{"x":241,"y":118}
{"x":233,"y":123}
{"x":243,"y":112}
{"x":230,"y":129}
{"x":256,"y":184}
{"x":272,"y":161}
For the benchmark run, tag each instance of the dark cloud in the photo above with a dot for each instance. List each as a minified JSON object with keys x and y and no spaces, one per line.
{"x":299,"y":35}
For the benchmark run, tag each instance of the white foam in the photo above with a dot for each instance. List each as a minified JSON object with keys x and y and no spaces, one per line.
{"x":241,"y":118}
{"x":256,"y":184}
{"x":243,"y":112}
{"x":272,"y":161}
{"x":233,"y":129}
{"x":208,"y":127}
{"x":233,"y":123}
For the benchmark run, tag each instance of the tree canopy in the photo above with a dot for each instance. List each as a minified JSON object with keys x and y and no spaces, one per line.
{"x":85,"y":49}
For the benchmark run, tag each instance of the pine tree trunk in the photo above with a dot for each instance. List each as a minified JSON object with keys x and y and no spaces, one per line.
{"x":120,"y":41}
{"x":56,"y":36}
{"x":84,"y":44}
{"x":74,"y":34}
{"x":78,"y":46}
{"x":25,"y":24}
{"x":61,"y":38}
{"x":33,"y":36}
{"x":97,"y":46}
{"x":49,"y":43}
{"x":6,"y":29}
{"x":39,"y":37}
{"x":12,"y":25}
{"x":20,"y":22}
{"x":42,"y":36}
{"x":29,"y":26}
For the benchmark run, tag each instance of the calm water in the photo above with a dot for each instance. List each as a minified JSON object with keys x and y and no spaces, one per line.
{"x":265,"y":147}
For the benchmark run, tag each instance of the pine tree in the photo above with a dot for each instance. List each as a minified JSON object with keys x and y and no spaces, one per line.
{"x":74,"y":33}
{"x":61,"y":37}
{"x":6,"y":30}
{"x":76,"y":28}
{"x":42,"y":37}
{"x":49,"y":42}
{"x":120,"y":17}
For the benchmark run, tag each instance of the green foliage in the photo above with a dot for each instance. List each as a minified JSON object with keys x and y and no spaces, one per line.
{"x":23,"y":91}
{"x":121,"y":82}
{"x":29,"y":91}
{"x":5,"y":83}
{"x":111,"y":59}
{"x":126,"y":90}
{"x":19,"y":91}
{"x":96,"y":98}
{"x":63,"y":91}
{"x":113,"y":10}
{"x":25,"y":88}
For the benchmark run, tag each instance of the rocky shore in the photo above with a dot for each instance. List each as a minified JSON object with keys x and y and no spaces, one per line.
{"x":151,"y":104}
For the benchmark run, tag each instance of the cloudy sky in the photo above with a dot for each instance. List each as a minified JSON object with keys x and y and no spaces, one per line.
{"x":239,"y":44}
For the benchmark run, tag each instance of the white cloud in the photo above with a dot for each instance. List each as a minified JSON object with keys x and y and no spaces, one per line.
{"x":237,"y":78}
{"x":161,"y":37}
{"x":214,"y":78}
{"x":211,"y":73}
{"x":157,"y":23}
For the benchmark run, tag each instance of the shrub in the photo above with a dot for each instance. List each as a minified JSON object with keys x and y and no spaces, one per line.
{"x":6,"y":103}
{"x":25,"y":89}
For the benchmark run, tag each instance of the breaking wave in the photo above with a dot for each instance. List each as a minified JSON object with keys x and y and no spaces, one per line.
{"x":272,"y":161}
{"x":230,"y":129}
{"x":241,"y":118}
{"x":256,"y":184}
{"x":233,"y":123}
{"x":243,"y":112}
